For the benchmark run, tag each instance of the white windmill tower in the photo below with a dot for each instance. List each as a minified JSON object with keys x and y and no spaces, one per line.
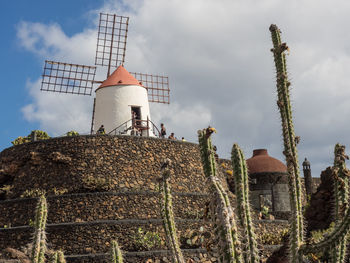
{"x":122,"y":100}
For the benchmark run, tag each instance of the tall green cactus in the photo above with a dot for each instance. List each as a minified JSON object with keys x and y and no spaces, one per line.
{"x":116,"y":254}
{"x":290,"y":151}
{"x":224,"y":222}
{"x":251,"y":253}
{"x":39,"y":242}
{"x":58,"y":257}
{"x":168,"y":215}
{"x":335,"y":241}
{"x":341,"y":197}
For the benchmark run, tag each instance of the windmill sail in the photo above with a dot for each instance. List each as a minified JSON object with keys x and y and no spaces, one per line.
{"x":68,"y":78}
{"x":157,"y":87}
{"x":111,"y":41}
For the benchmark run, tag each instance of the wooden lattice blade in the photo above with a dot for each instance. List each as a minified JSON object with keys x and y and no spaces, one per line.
{"x":157,"y":87}
{"x":111,"y":40}
{"x":68,"y":78}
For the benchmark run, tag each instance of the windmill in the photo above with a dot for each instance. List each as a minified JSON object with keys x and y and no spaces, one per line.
{"x":122,"y":100}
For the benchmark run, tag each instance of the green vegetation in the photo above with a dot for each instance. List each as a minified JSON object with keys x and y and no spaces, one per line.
{"x":35,"y":192}
{"x":275,"y":237}
{"x":72,"y":133}
{"x":116,"y":254}
{"x":58,"y":257}
{"x":34,"y":135}
{"x":146,"y":239}
{"x":97,"y":183}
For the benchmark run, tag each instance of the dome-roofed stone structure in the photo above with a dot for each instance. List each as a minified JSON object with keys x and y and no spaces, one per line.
{"x":268,"y":182}
{"x":261,"y":162}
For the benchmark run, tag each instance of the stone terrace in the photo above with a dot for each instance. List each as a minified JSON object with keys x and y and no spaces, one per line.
{"x":105,"y":187}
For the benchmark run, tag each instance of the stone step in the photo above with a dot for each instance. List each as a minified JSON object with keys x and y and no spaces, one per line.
{"x":95,"y":237}
{"x":101,"y":206}
{"x":154,"y":256}
{"x":133,"y":234}
{"x":88,"y":239}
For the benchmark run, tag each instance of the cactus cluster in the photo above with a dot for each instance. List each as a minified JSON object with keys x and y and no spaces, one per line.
{"x":72,"y":133}
{"x":33,"y":136}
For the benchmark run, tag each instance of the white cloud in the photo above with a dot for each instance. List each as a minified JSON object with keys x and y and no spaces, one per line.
{"x":58,"y":113}
{"x":184,"y":121}
{"x":221,"y":71}
{"x":50,"y":42}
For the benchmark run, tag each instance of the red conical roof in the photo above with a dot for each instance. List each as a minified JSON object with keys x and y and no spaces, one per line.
{"x":261,"y":162}
{"x":120,"y":77}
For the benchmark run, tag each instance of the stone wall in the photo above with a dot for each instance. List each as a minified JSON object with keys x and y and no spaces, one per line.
{"x":86,"y":207}
{"x":99,"y":163}
{"x":105,"y":187}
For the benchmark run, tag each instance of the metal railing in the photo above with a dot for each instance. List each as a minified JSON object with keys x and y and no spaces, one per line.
{"x":136,"y":127}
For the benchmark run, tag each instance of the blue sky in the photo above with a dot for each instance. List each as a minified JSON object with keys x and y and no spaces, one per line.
{"x":216,"y":54}
{"x":18,"y":65}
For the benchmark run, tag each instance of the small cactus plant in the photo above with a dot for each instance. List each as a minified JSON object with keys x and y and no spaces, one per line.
{"x":116,"y":254}
{"x":39,"y":242}
{"x":58,"y":257}
{"x":167,"y":214}
{"x":72,"y":133}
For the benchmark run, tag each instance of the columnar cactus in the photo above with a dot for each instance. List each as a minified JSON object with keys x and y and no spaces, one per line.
{"x":224,"y":222}
{"x":251,"y":253}
{"x":58,"y":257}
{"x":116,"y":254}
{"x":336,"y":241}
{"x":167,"y":214}
{"x":290,"y":151}
{"x":341,"y":197}
{"x":39,"y":242}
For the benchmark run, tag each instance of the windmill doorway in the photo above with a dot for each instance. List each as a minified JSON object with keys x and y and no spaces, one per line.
{"x":136,"y":115}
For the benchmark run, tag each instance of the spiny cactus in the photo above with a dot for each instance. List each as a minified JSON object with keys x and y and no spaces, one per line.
{"x":290,"y":151}
{"x":224,"y":222}
{"x":39,"y":242}
{"x":341,"y":197}
{"x":335,"y":241}
{"x":116,"y":254}
{"x":58,"y":257}
{"x":251,"y":253}
{"x":167,"y":214}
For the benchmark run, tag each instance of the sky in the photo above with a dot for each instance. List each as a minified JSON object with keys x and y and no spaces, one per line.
{"x":216,"y":54}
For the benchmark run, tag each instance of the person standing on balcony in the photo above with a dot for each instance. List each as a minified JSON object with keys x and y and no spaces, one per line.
{"x":162,"y":131}
{"x":101,"y":130}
